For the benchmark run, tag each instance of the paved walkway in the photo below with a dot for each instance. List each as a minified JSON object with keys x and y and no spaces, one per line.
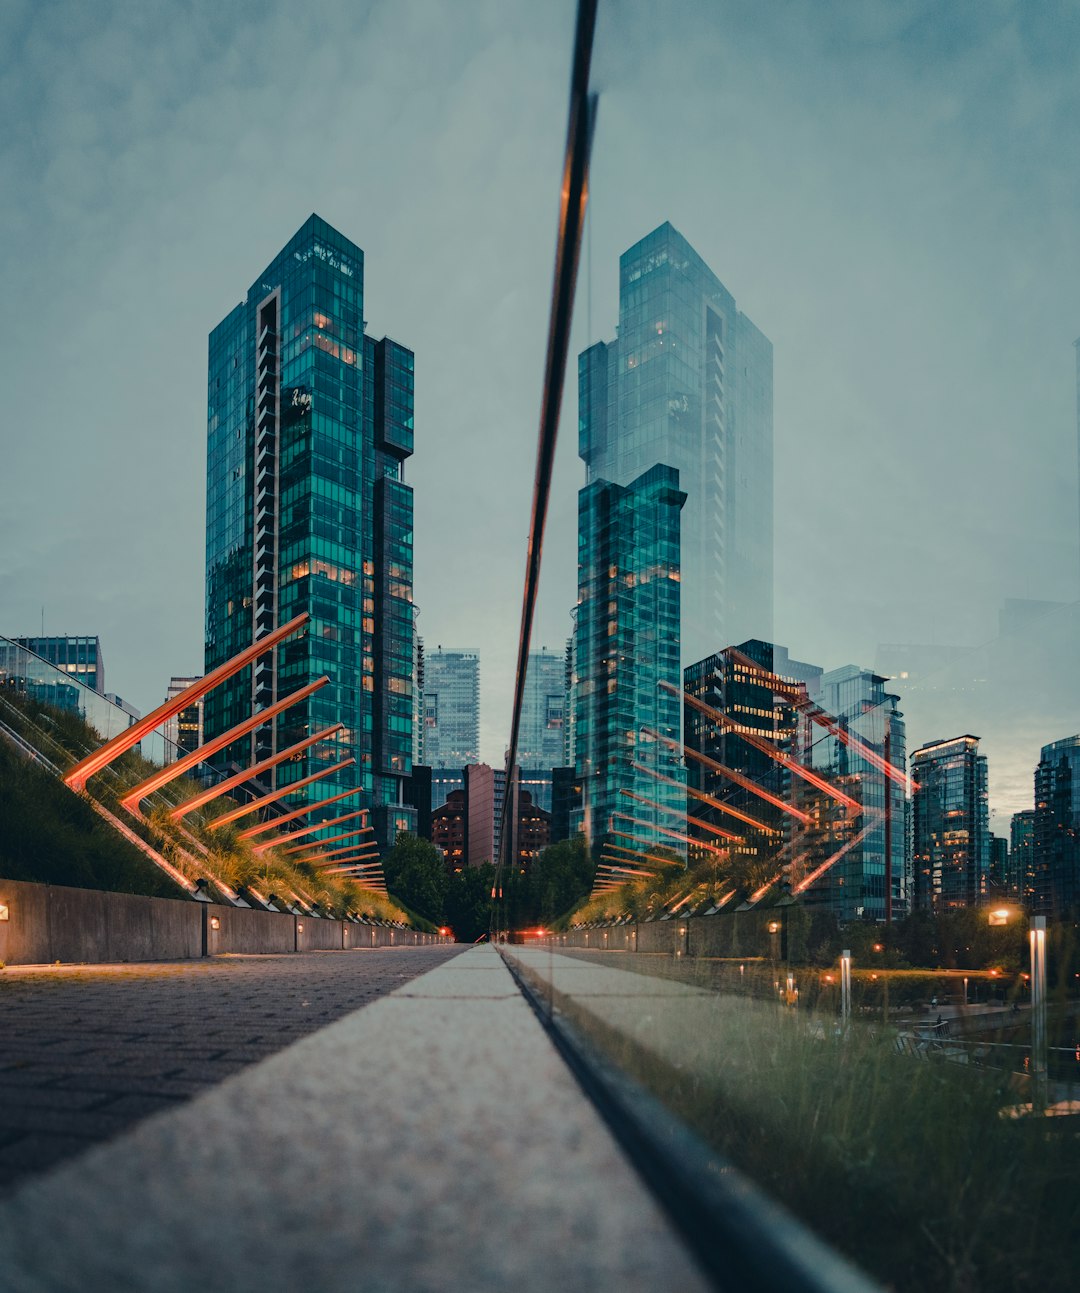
{"x":432,"y":1141}
{"x":87,"y":1051}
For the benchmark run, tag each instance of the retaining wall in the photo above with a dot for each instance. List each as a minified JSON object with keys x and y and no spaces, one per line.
{"x":50,"y":923}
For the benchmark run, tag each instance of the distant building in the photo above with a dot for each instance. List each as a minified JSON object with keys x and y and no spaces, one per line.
{"x":950,"y":825}
{"x":481,"y":804}
{"x":448,"y":830}
{"x":443,"y":782}
{"x":565,"y":802}
{"x":999,"y":866}
{"x":80,"y":657}
{"x":451,"y":707}
{"x":184,"y":731}
{"x":626,"y":687}
{"x":688,"y":382}
{"x":1056,"y":844}
{"x":1022,"y":857}
{"x":543,"y":714}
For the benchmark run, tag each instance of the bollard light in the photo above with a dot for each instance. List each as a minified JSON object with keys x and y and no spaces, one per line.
{"x":1038,"y":1012}
{"x":845,"y":988}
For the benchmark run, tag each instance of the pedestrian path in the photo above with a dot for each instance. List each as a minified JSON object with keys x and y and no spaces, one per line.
{"x":433,"y":1140}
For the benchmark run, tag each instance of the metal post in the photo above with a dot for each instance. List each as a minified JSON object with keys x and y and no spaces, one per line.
{"x":1038,"y":1013}
{"x":845,"y":988}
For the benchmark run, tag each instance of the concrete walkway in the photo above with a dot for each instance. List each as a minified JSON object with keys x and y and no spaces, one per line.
{"x":432,"y":1140}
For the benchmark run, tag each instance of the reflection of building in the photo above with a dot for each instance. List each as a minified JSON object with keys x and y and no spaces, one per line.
{"x":184,"y":731}
{"x":854,"y":885}
{"x":999,"y":865}
{"x":448,"y":830}
{"x":540,"y":742}
{"x":467,"y":827}
{"x":1022,"y":856}
{"x":309,"y":423}
{"x":565,"y":802}
{"x":689,"y":383}
{"x":950,"y":824}
{"x":733,"y":785}
{"x":78,"y":656}
{"x":451,"y":707}
{"x":627,"y":645}
{"x":1056,"y":843}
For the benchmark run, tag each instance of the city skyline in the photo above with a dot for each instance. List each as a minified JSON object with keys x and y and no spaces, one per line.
{"x":887,"y":341}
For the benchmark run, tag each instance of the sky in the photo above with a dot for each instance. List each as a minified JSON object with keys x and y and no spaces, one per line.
{"x":889,"y":190}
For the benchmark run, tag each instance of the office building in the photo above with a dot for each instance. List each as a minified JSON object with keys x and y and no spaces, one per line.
{"x":184,"y":731}
{"x":1056,"y":842}
{"x":688,"y":382}
{"x":950,"y":825}
{"x":541,"y":736}
{"x":310,"y":421}
{"x":78,"y":656}
{"x":626,"y":686}
{"x":451,"y":707}
{"x":1022,"y":857}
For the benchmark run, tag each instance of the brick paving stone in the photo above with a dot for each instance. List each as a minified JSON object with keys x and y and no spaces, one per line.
{"x":90,"y":1050}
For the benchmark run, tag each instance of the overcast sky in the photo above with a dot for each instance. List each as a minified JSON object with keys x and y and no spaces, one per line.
{"x":890,"y":190}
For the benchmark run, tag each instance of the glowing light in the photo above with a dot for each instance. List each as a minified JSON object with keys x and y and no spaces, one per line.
{"x":251,"y":831}
{"x":290,"y":789}
{"x":78,"y":776}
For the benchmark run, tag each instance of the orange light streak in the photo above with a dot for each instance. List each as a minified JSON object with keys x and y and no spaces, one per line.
{"x":675,"y":835}
{"x":290,"y":789}
{"x":173,"y":770}
{"x":653,"y":857}
{"x":719,"y":804}
{"x":767,"y":748}
{"x":78,"y":776}
{"x":333,"y":839}
{"x":800,"y":700}
{"x":730,"y":774}
{"x":256,"y":770}
{"x":345,"y":848}
{"x":677,"y":812}
{"x":289,"y":836}
{"x":818,"y":871}
{"x":262,"y":827}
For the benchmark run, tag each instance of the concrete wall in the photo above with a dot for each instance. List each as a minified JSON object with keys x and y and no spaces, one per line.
{"x":49,"y":923}
{"x":771,"y":932}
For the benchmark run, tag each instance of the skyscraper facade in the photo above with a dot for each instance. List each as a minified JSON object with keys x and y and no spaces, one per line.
{"x":1021,"y":856}
{"x":626,"y":723}
{"x":451,"y":707}
{"x":80,"y":657}
{"x":310,"y":421}
{"x":853,"y":886}
{"x":950,"y":825}
{"x":540,"y":742}
{"x":689,"y":383}
{"x":1056,"y":837}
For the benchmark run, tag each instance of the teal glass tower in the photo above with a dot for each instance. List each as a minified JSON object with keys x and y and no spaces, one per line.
{"x":689,"y":382}
{"x":309,"y":423}
{"x":627,"y":643}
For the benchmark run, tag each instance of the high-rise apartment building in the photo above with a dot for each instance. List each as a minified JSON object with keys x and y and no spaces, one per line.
{"x":1056,"y":842}
{"x":688,"y":382}
{"x":310,"y":421}
{"x":950,"y":824}
{"x":451,"y":707}
{"x":1022,"y":856}
{"x":874,"y":832}
{"x":80,"y":657}
{"x":627,"y":724}
{"x":184,"y":731}
{"x":540,"y":741}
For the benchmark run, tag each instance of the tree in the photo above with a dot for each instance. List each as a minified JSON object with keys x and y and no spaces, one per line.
{"x":416,"y":875}
{"x":467,"y":909}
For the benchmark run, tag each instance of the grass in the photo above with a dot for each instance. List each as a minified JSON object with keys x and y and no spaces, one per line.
{"x":905,"y":1165}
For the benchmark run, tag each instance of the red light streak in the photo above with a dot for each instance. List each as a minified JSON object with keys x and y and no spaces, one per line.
{"x":708,"y":799}
{"x":676,"y":835}
{"x":290,"y":789}
{"x":677,"y":812}
{"x":768,"y":748}
{"x":730,"y":774}
{"x":345,"y":835}
{"x":295,"y":835}
{"x":251,"y":831}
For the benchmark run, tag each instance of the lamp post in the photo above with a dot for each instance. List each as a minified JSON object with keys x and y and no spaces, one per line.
{"x":1038,"y":1013}
{"x":845,"y":989}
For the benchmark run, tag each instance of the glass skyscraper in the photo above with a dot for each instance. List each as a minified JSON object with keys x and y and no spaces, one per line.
{"x":540,"y":743}
{"x":950,"y":824}
{"x":689,"y":383}
{"x":78,"y":656}
{"x":451,"y":707}
{"x":1055,"y":844}
{"x":309,"y":423}
{"x":627,"y":643}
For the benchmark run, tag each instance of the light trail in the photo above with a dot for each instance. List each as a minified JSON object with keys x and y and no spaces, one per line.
{"x":678,"y":812}
{"x":290,"y":789}
{"x":675,"y":835}
{"x":767,"y":748}
{"x":295,"y":835}
{"x":730,"y":774}
{"x":719,"y":804}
